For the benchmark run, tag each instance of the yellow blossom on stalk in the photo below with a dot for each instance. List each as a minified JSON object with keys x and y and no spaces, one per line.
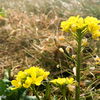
{"x":59,"y":81}
{"x":27,"y":82}
{"x":45,"y":75}
{"x":96,"y":34}
{"x":80,"y":23}
{"x":76,"y":24}
{"x":21,"y":74}
{"x":16,"y":83}
{"x":84,"y":42}
{"x":70,"y":81}
{"x":36,"y":80}
{"x":65,"y":26}
{"x":33,"y":75}
{"x":63,"y":81}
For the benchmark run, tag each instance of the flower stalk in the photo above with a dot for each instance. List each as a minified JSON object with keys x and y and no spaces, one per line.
{"x":77,"y":95}
{"x":34,"y":91}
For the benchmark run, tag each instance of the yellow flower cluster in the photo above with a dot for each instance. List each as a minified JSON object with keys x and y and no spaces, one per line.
{"x":33,"y":75}
{"x":89,"y":24}
{"x":63,"y":81}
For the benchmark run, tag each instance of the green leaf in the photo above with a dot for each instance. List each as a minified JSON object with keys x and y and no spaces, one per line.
{"x":2,"y":87}
{"x":11,"y":94}
{"x":47,"y":94}
{"x":1,"y":10}
{"x":54,"y":98}
{"x":82,"y":98}
{"x":6,"y":81}
{"x":2,"y":13}
{"x":32,"y":98}
{"x":7,"y":73}
{"x":23,"y":94}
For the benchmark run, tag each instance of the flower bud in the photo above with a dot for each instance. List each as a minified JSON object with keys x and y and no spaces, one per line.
{"x":73,"y":28}
{"x":61,"y":38}
{"x":84,"y":42}
{"x":73,"y":56}
{"x":95,"y":49}
{"x":61,"y":50}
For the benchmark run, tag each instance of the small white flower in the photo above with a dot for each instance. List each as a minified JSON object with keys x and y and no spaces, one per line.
{"x":68,"y":49}
{"x":74,"y":71}
{"x":58,"y":66}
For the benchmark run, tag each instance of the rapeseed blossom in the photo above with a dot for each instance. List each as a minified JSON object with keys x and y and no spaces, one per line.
{"x":78,"y":25}
{"x":31,"y":76}
{"x":63,"y":81}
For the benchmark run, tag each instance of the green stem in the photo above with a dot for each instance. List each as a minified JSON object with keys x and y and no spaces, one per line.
{"x":77,"y":95}
{"x":34,"y":91}
{"x":64,"y":94}
{"x":63,"y":89}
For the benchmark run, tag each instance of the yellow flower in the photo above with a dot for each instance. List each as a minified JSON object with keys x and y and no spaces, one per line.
{"x":84,"y":42}
{"x":96,"y":34}
{"x":36,"y":80}
{"x":59,"y":81}
{"x":27,"y":82}
{"x":54,"y":81}
{"x":80,"y":23}
{"x":89,"y":24}
{"x":70,"y":81}
{"x":16,"y":83}
{"x":45,"y":75}
{"x":21,"y":74}
{"x":65,"y":26}
{"x":63,"y":81}
{"x":33,"y":75}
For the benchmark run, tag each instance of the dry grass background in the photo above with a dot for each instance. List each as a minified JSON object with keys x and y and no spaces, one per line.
{"x":30,"y":34}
